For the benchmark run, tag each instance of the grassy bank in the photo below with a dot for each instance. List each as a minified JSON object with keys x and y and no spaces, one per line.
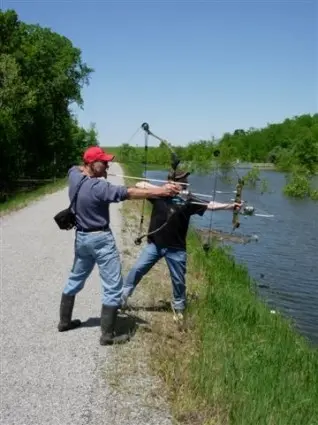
{"x":237,"y":364}
{"x":249,"y":365}
{"x":29,"y":194}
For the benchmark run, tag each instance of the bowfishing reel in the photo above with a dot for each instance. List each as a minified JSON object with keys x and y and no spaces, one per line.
{"x":248,"y":210}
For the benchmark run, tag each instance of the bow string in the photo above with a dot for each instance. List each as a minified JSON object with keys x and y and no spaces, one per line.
{"x":175,"y":161}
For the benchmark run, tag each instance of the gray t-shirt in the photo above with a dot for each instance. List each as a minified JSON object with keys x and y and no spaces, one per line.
{"x":94,"y":197}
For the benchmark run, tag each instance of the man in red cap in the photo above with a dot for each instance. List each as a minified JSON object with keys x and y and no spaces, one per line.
{"x":94,"y":241}
{"x":95,"y":153}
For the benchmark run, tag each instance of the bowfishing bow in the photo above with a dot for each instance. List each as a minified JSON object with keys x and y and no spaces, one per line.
{"x":185,"y":199}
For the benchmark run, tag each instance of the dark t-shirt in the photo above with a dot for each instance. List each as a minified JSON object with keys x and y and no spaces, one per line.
{"x":174,"y":234}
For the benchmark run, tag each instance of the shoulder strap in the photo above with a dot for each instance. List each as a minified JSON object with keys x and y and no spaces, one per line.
{"x":73,"y":201}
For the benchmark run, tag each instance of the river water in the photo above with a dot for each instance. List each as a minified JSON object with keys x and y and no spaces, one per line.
{"x":284,"y":261}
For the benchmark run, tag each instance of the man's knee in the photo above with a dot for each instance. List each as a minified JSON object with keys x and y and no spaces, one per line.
{"x":134,"y":276}
{"x":139,"y":270}
{"x":71,"y":289}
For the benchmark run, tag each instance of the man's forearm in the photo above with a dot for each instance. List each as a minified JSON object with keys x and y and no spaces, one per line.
{"x":215,"y":206}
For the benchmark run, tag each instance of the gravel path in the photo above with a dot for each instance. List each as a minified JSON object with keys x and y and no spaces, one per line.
{"x":47,"y":377}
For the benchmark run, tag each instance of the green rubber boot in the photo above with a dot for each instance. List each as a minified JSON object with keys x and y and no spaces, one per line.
{"x":107,"y":323}
{"x":66,"y":310}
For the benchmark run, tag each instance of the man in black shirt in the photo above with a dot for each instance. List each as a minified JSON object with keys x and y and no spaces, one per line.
{"x":169,"y":242}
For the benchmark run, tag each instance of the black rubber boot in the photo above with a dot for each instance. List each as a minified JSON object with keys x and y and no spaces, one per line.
{"x":66,"y":310}
{"x":107,"y":323}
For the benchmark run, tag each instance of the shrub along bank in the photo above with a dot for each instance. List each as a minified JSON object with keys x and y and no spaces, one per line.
{"x":237,"y":364}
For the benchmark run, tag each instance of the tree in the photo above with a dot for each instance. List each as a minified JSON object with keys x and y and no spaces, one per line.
{"x":41,"y":76}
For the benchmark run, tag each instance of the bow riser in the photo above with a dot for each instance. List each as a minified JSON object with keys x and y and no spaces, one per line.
{"x":238,"y":197}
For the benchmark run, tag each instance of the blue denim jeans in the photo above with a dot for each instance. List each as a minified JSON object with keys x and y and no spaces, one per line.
{"x":99,"y":248}
{"x":176,"y":261}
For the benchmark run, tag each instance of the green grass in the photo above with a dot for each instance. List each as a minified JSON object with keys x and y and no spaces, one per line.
{"x":250,"y":362}
{"x":239,"y":364}
{"x":28,"y":195}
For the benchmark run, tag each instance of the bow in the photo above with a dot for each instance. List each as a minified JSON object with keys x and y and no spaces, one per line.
{"x":142,"y":215}
{"x":184,"y":200}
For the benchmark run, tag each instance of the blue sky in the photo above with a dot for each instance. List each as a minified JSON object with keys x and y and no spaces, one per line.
{"x":191,"y":69}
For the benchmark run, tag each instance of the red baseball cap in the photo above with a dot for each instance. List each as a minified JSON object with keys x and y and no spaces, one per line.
{"x":95,"y":153}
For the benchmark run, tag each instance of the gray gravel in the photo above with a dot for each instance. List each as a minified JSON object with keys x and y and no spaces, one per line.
{"x":49,"y":377}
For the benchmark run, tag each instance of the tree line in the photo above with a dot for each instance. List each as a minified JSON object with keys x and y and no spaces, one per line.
{"x":291,"y":146}
{"x":41,"y":77}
